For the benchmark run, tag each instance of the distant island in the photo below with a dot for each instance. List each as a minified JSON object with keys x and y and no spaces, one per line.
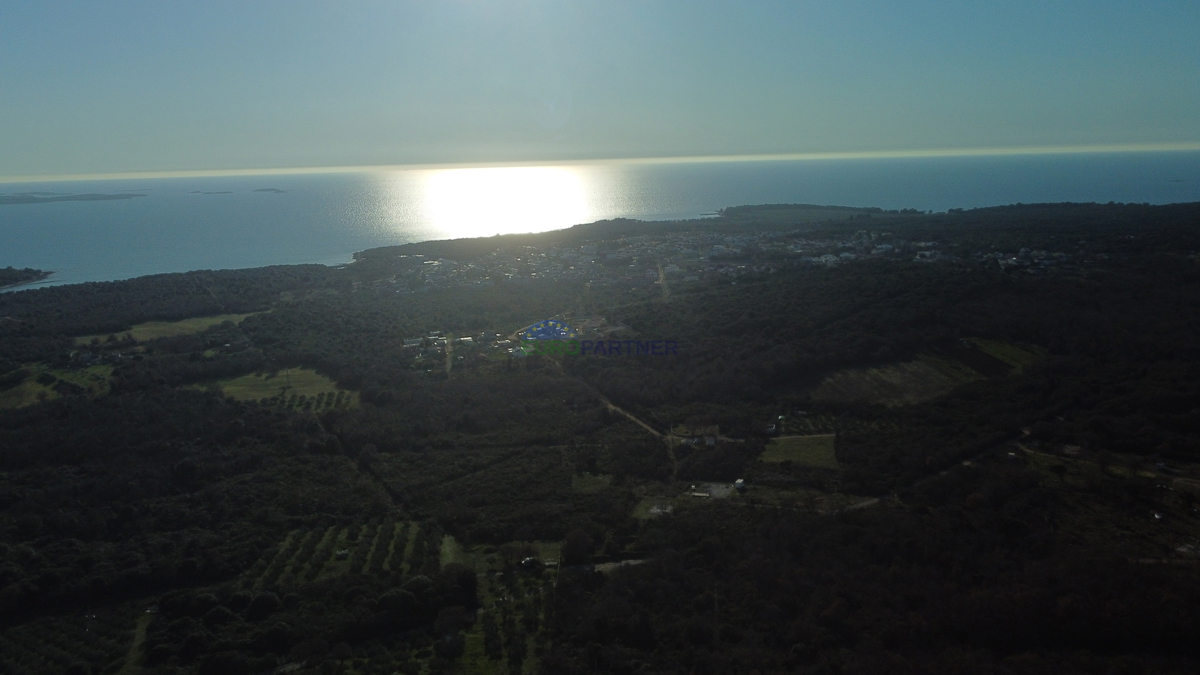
{"x":30,"y":198}
{"x":275,"y":190}
{"x":11,"y":276}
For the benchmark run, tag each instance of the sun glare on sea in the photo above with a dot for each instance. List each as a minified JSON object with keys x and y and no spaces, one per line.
{"x":486,"y":201}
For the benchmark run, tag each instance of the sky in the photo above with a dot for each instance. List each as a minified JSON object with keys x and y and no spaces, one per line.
{"x":110,"y":87}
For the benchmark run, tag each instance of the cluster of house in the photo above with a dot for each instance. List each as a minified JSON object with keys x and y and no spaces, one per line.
{"x":684,"y":257}
{"x":643,"y":259}
{"x":438,"y":340}
{"x":1029,"y":260}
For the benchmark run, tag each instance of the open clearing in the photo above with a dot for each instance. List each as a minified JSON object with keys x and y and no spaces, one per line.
{"x":286,"y":387}
{"x":160,"y":329}
{"x":654,"y":507}
{"x":43,"y":384}
{"x":586,"y":483}
{"x":920,"y":379}
{"x":1017,"y":357}
{"x":452,"y":552}
{"x":810,"y":451}
{"x":927,"y":376}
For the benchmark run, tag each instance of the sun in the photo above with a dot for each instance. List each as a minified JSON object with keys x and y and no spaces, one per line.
{"x":486,"y":201}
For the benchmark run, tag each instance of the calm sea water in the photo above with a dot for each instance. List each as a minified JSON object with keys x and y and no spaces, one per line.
{"x":221,"y":223}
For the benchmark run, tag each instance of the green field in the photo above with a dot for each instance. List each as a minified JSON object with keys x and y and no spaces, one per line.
{"x":811,"y":451}
{"x":38,"y":385}
{"x":920,"y":379}
{"x":653,"y":507}
{"x":453,"y":552}
{"x":286,"y":387}
{"x":586,"y":483}
{"x":160,"y":329}
{"x":1014,"y":356}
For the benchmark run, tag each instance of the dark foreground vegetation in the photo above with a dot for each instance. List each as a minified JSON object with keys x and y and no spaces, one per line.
{"x":1012,"y":394}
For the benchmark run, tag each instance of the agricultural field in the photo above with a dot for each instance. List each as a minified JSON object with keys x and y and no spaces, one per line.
{"x":508,"y":633}
{"x":492,"y":559}
{"x":452,"y":552}
{"x":292,"y":388}
{"x":381,"y":547}
{"x":45,"y":384}
{"x":159,"y":329}
{"x":811,"y":451}
{"x":1016,"y":357}
{"x":807,"y":425}
{"x":653,"y":507}
{"x":921,"y":379}
{"x":586,"y":483}
{"x":1163,"y":501}
{"x":508,"y":627}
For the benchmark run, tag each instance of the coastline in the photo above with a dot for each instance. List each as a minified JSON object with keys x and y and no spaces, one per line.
{"x":42,"y":276}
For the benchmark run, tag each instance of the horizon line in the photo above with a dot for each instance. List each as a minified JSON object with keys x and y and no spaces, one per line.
{"x":696,"y":159}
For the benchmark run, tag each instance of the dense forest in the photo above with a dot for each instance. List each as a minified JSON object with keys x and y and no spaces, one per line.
{"x":967,"y":442}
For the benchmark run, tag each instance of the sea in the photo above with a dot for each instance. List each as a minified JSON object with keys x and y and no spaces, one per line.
{"x":182,"y":224}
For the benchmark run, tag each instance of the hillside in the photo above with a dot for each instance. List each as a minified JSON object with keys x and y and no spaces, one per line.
{"x":968,"y":442}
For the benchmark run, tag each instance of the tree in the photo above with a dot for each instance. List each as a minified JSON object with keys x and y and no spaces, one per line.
{"x":577,"y":548}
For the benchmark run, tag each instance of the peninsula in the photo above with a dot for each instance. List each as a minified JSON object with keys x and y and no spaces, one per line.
{"x":28,"y":198}
{"x":11,"y":276}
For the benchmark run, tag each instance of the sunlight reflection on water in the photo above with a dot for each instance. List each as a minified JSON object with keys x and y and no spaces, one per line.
{"x":480,"y":202}
{"x":249,"y":221}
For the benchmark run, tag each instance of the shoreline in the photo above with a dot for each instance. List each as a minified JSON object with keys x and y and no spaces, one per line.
{"x":42,"y":277}
{"x":581,"y":229}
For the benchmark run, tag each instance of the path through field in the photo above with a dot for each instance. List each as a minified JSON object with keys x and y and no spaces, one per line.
{"x":133,"y":660}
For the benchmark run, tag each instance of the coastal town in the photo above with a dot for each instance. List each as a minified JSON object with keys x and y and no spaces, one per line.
{"x":683,"y":257}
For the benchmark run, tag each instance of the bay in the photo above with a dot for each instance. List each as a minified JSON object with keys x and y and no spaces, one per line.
{"x":181,"y":224}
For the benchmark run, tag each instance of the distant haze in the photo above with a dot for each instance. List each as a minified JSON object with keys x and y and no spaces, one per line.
{"x":152,"y":86}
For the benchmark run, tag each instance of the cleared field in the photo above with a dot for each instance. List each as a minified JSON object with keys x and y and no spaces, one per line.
{"x":920,"y":379}
{"x":586,"y":483}
{"x":548,"y":550}
{"x":160,"y":329}
{"x":452,"y":552}
{"x":1017,"y":357}
{"x":653,"y":507}
{"x":475,"y":660}
{"x":811,"y":451}
{"x":295,"y":387}
{"x":42,"y":384}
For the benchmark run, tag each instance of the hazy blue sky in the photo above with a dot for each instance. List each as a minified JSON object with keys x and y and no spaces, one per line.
{"x":136,"y":86}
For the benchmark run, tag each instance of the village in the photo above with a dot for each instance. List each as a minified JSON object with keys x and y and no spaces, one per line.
{"x":691,"y":257}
